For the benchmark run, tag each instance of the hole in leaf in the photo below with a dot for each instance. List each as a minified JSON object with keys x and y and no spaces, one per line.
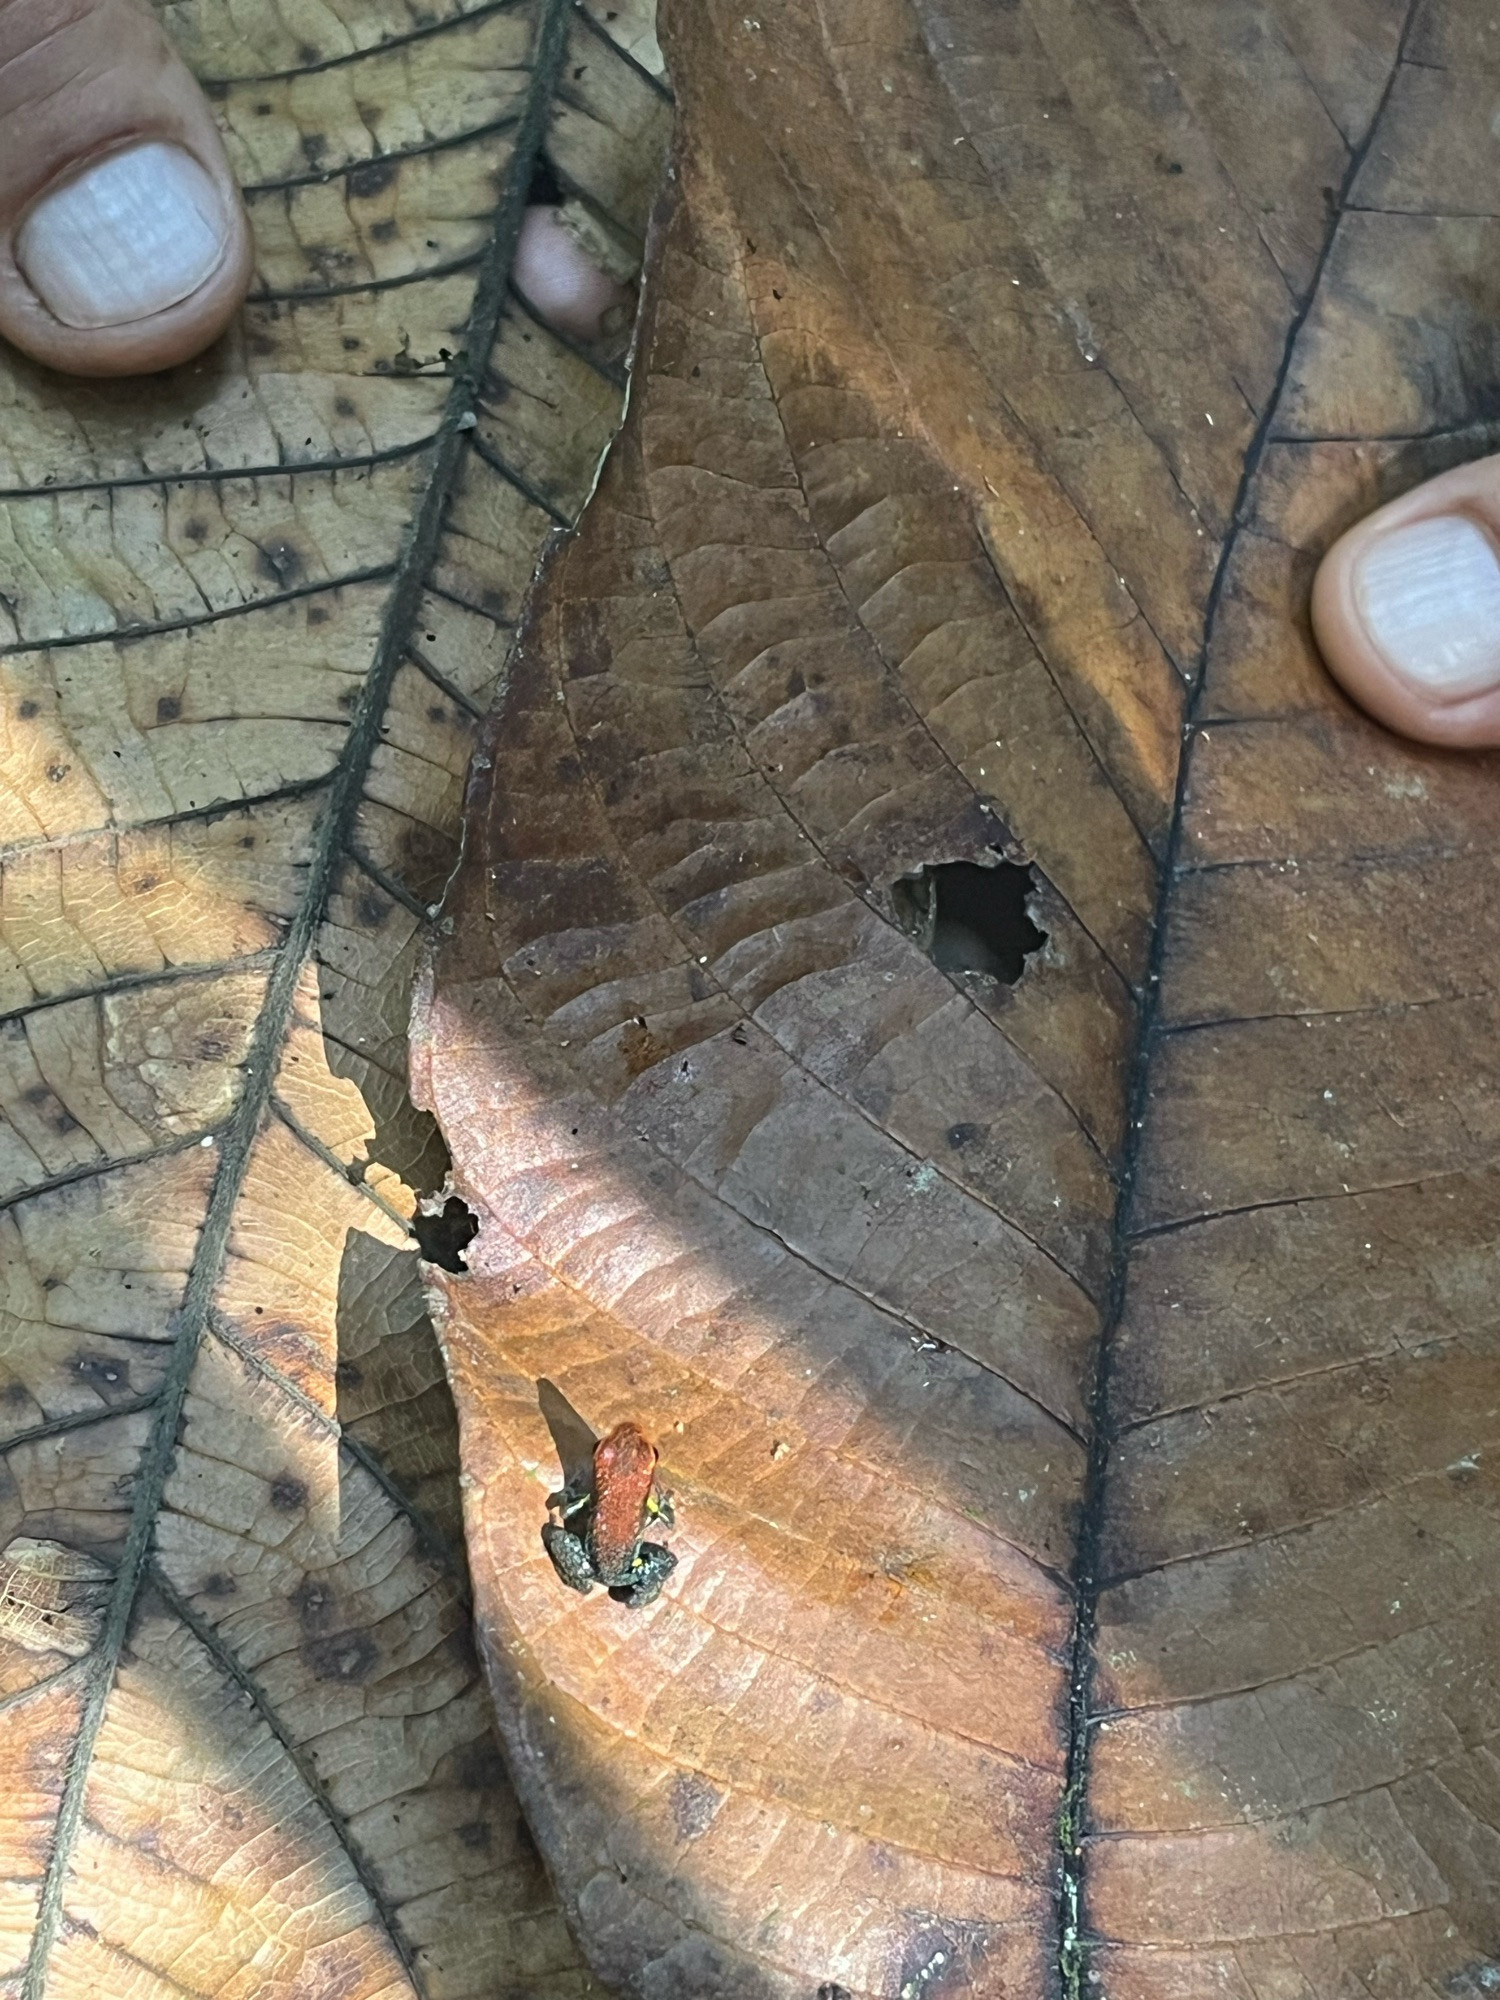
{"x":444,"y":1238}
{"x":969,"y":918}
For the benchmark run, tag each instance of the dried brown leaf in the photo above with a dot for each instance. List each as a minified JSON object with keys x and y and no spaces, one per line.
{"x":1080,"y":1397}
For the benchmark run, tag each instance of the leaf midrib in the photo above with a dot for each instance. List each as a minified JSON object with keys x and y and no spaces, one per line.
{"x":1074,"y":1944}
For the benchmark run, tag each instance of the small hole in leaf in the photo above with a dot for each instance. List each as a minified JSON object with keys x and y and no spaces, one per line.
{"x":971,"y":919}
{"x":444,"y":1238}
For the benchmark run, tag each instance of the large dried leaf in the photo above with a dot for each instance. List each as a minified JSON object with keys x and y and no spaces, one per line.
{"x":1080,"y":1397}
{"x":250,"y":614}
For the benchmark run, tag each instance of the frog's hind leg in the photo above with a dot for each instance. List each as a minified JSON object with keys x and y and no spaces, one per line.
{"x":653,"y":1564}
{"x":570,"y":1557}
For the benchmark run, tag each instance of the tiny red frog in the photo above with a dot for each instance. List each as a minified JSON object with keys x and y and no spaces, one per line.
{"x":610,"y":1516}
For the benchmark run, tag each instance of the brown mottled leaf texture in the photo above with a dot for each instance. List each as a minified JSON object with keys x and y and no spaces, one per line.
{"x":1079,"y":1389}
{"x":249,"y":616}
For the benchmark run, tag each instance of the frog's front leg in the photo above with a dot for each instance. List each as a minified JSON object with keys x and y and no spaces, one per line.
{"x":570,"y":1557}
{"x":571,"y":1500}
{"x":653,"y":1564}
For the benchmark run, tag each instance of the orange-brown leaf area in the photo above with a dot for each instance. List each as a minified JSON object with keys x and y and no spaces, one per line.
{"x":250,"y":614}
{"x":1080,"y":1395}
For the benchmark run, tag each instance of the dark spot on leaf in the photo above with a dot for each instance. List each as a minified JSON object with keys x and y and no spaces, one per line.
{"x":370,"y":178}
{"x":343,"y":406}
{"x":306,"y":53}
{"x":218,"y":1583}
{"x":442,"y":1239}
{"x":437,"y":712}
{"x":288,"y":1493}
{"x":384,"y":230}
{"x":57,"y":772}
{"x":247,"y":840}
{"x":17,"y":1392}
{"x":348,"y":1374}
{"x":146,"y":884}
{"x":28,"y":709}
{"x":101,"y":1372}
{"x":372,"y":910}
{"x":695,"y":1804}
{"x":351,"y":342}
{"x":196,"y":530}
{"x":279,"y":562}
{"x":349,"y":1656}
{"x":317,"y":614}
{"x":314,"y":146}
{"x":168,"y":707}
{"x":263,"y":110}
{"x":831,"y":1990}
{"x":53,"y":1109}
{"x":313,"y":1602}
{"x":476,"y":1833}
{"x":349,"y":699}
{"x":964,"y":1135}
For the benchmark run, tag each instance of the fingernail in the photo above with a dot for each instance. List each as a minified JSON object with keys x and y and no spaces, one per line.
{"x":1429,"y":595}
{"x":130,"y":236}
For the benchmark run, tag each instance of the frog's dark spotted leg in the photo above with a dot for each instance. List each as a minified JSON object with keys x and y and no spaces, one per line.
{"x":570,"y":1557}
{"x":653,"y":1564}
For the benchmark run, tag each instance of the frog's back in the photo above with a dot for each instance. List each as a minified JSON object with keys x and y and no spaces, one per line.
{"x":624,"y":1472}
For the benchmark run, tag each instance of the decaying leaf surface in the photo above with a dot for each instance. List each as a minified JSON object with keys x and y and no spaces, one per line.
{"x":1080,"y":1397}
{"x":249,"y":614}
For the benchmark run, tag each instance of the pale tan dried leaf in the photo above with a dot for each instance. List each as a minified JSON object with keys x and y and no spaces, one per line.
{"x":249,"y":614}
{"x":1080,"y":1399}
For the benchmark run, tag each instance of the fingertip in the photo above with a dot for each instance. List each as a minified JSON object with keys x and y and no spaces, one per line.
{"x":124,"y":246}
{"x":1406,"y":610}
{"x":562,"y":283}
{"x":167,"y":286}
